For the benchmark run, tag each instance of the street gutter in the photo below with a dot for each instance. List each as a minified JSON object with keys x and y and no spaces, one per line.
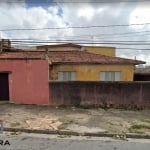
{"x":72,"y":133}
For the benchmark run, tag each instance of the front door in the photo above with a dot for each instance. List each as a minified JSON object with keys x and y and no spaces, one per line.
{"x":4,"y":87}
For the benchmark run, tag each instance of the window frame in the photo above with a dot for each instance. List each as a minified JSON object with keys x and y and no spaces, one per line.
{"x":110,"y":76}
{"x":67,"y":75}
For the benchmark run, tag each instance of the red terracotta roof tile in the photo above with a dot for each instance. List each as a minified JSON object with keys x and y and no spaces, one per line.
{"x":69,"y":57}
{"x":86,"y":57}
{"x":22,"y":55}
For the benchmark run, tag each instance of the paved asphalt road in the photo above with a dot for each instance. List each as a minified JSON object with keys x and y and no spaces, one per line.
{"x":46,"y":142}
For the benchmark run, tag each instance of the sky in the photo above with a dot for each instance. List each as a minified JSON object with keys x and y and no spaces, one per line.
{"x":124,"y":24}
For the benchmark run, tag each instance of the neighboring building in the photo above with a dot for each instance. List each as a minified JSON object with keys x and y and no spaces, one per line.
{"x":60,"y":47}
{"x":108,"y":51}
{"x":103,"y":50}
{"x":24,"y":78}
{"x":4,"y":44}
{"x":142,"y":74}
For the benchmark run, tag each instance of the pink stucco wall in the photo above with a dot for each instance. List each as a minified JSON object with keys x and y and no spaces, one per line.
{"x":28,"y":80}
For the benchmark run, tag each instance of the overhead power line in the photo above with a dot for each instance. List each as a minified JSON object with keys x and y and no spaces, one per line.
{"x":117,"y":43}
{"x":81,"y":42}
{"x":97,"y":35}
{"x":122,"y":33}
{"x":129,"y":48}
{"x":118,"y":36}
{"x":90,"y":37}
{"x":76,"y":27}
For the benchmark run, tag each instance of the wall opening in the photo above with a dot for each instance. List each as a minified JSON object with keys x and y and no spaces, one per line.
{"x":4,"y":87}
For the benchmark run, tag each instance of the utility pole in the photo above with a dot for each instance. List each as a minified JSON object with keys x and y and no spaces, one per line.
{"x":1,"y":45}
{"x":1,"y":48}
{"x":49,"y":61}
{"x":46,"y":52}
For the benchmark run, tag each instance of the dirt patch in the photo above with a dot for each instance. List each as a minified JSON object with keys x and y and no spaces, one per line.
{"x":53,"y":118}
{"x":42,"y":123}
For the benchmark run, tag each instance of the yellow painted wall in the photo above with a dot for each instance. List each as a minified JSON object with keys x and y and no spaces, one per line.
{"x":109,"y":51}
{"x":92,"y":72}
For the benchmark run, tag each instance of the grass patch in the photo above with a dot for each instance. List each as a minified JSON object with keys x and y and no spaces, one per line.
{"x":136,"y":131}
{"x":138,"y":128}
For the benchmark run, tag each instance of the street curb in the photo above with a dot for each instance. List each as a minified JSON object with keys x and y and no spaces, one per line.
{"x":72,"y":133}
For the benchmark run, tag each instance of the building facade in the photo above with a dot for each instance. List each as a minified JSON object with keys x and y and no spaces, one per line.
{"x":23,"y":78}
{"x":85,"y":66}
{"x":25,"y":75}
{"x":88,"y":63}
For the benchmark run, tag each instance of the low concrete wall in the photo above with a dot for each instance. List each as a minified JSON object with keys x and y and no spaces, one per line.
{"x":106,"y":94}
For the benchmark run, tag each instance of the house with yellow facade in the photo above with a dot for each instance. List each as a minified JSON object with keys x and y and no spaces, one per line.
{"x":103,"y":50}
{"x":71,"y":62}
